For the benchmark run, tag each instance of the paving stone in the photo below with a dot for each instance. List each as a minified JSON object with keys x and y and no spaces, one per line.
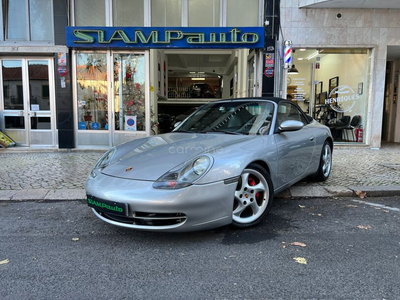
{"x":31,"y":194}
{"x":339,"y":191}
{"x":377,"y":190}
{"x":309,"y":191}
{"x":7,"y":194}
{"x":66,"y":194}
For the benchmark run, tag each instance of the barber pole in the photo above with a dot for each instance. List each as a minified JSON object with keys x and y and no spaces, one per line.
{"x":288,"y":55}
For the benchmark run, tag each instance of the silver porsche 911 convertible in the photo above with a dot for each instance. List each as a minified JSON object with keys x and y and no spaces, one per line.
{"x":222,"y":165}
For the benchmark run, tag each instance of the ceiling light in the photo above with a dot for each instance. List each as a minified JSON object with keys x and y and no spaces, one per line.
{"x":198,"y":78}
{"x":300,"y":58}
{"x":293,"y":70}
{"x":313,"y":55}
{"x":200,"y":72}
{"x":302,"y":49}
{"x":192,"y":72}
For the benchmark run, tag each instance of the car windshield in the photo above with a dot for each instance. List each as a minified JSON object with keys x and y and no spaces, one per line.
{"x":233,"y":117}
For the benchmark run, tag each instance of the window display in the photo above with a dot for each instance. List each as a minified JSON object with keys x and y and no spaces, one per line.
{"x":129,"y":95}
{"x":91,"y":73}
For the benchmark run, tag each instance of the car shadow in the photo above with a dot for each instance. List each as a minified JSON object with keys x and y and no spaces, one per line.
{"x":269,"y":229}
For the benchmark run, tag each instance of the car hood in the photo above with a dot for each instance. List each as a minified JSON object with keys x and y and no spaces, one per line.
{"x":150,"y":158}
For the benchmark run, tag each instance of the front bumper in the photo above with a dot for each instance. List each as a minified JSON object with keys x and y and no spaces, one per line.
{"x":198,"y":207}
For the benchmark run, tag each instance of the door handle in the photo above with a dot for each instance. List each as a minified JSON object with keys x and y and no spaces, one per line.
{"x":312,"y":138}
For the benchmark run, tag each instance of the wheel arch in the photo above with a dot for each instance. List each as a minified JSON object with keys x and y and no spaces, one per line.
{"x":330,"y":141}
{"x":261,"y":163}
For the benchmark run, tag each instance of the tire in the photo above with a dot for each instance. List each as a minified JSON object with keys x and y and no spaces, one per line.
{"x":325,"y":163}
{"x":253,"y":197}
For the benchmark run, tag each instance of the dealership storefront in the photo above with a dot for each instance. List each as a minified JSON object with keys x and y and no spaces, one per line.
{"x":115,"y":99}
{"x":143,"y":61}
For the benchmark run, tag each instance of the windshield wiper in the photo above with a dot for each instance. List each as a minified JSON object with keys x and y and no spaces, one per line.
{"x":223,"y":131}
{"x":186,"y":131}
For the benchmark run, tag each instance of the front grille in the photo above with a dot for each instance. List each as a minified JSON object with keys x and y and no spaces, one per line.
{"x":148,"y":219}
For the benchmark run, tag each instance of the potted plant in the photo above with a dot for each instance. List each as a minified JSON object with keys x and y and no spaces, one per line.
{"x":87,"y":116}
{"x":87,"y":107}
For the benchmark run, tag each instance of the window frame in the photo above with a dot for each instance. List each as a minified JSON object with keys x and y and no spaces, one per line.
{"x":299,"y":110}
{"x":224,"y":12}
{"x":223,"y":5}
{"x":28,"y":37}
{"x":2,"y":22}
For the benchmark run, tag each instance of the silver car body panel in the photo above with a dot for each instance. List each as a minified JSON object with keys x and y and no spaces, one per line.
{"x":205,"y":206}
{"x":288,"y":156}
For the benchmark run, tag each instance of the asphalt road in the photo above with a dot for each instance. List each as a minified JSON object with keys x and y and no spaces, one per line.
{"x":352,"y":252}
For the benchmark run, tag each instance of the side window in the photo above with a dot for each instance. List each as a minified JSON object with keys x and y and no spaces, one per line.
{"x":287,"y":111}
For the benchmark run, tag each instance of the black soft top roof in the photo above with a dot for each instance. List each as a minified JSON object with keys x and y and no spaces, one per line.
{"x":273,"y":99}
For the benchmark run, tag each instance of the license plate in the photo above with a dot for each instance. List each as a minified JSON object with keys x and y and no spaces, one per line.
{"x":107,"y":206}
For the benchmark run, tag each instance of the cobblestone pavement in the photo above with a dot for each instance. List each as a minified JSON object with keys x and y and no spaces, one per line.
{"x":46,"y":170}
{"x":69,"y":170}
{"x":365,"y":167}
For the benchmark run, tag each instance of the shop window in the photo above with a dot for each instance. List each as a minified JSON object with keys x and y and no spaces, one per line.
{"x":166,"y":13}
{"x":28,"y":20}
{"x":242,"y":13}
{"x":204,"y":13}
{"x":129,"y":97}
{"x":331,"y":86}
{"x":128,"y":12}
{"x":90,"y":13}
{"x":91,"y":73}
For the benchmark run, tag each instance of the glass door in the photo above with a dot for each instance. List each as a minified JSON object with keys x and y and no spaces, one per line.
{"x":28,"y":101}
{"x":40,"y":103}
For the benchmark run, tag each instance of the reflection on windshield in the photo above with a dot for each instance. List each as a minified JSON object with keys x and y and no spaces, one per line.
{"x":234,"y":117}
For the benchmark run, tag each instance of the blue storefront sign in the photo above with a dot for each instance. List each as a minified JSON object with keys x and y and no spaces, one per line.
{"x":165,"y":37}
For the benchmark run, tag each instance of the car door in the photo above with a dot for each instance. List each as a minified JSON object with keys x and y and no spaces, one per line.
{"x":295,"y":148}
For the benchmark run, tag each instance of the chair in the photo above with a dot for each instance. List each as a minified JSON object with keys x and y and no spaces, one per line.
{"x":355,"y":122}
{"x":337,"y":128}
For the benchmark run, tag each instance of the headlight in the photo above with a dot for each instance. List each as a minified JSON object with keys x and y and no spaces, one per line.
{"x":185,"y":174}
{"x":103,"y":162}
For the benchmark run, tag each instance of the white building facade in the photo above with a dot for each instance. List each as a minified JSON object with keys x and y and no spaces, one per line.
{"x":347,"y":57}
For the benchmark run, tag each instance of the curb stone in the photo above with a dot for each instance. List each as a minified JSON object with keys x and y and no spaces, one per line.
{"x":294,"y":192}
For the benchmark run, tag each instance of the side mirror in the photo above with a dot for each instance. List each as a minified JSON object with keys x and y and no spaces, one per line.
{"x":291,"y":125}
{"x":177,"y":124}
